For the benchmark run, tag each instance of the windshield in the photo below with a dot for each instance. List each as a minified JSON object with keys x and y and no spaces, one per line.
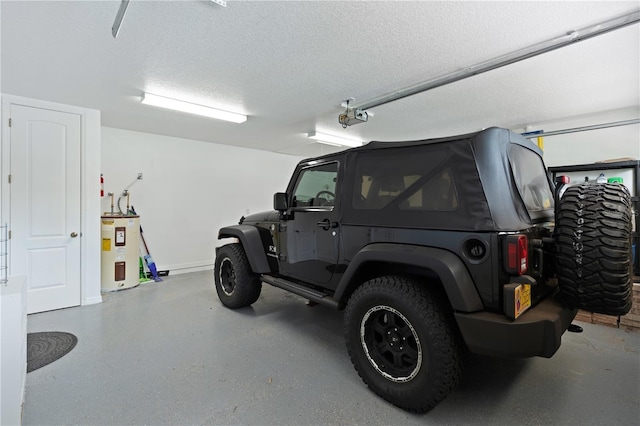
{"x":531,"y":180}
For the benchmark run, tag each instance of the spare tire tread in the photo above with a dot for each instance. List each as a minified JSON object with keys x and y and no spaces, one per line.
{"x":593,"y":248}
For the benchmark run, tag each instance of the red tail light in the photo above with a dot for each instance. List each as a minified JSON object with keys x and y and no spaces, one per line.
{"x":517,"y":254}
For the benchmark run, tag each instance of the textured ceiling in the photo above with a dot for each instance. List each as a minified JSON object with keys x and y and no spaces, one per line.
{"x":289,"y":64}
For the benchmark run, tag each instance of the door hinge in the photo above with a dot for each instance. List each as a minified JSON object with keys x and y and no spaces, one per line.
{"x":9,"y":234}
{"x":9,"y":122}
{"x":9,"y":178}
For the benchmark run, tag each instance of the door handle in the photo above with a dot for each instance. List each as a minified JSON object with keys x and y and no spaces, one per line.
{"x":327,"y":224}
{"x":74,"y":234}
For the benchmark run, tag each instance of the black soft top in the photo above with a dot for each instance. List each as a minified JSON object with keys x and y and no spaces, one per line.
{"x":490,"y":199}
{"x":396,"y":144}
{"x":479,"y":139}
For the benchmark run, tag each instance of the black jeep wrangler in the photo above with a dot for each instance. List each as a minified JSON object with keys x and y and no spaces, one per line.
{"x":435,"y":248}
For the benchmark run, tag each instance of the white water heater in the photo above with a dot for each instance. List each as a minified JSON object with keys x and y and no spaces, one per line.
{"x":120,"y":252}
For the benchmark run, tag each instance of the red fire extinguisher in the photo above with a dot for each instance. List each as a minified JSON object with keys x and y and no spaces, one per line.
{"x":101,"y":185}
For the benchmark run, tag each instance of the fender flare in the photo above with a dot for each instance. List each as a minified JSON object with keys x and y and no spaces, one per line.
{"x":455,"y":277}
{"x":249,"y":237}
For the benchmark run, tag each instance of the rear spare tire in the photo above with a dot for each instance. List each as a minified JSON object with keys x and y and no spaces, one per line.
{"x":593,"y":248}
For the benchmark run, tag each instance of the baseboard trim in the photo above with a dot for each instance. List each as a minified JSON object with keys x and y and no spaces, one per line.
{"x":186,"y":268}
{"x":92,"y":300}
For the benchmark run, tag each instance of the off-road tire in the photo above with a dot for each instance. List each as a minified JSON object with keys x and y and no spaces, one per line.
{"x":593,"y":248}
{"x":236,"y":284}
{"x":403,"y":341}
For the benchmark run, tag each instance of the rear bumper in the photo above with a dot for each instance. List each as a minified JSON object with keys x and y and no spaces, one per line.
{"x":537,"y":332}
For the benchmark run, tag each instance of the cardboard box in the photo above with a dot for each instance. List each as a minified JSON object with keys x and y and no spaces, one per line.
{"x":605,"y":320}
{"x":629,"y":321}
{"x":584,"y":316}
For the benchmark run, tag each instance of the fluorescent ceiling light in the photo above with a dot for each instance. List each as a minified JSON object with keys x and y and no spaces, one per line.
{"x":174,"y":104}
{"x":333,"y":140}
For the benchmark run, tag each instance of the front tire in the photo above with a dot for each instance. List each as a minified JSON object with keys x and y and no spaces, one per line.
{"x":403,"y":341}
{"x":236,"y":284}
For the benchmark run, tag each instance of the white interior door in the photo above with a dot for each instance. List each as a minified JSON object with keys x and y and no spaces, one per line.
{"x":45,"y":205}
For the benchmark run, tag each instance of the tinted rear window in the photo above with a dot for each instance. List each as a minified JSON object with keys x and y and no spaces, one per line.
{"x":531,"y":179}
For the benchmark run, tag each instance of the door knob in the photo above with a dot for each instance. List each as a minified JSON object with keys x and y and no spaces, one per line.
{"x":74,"y":234}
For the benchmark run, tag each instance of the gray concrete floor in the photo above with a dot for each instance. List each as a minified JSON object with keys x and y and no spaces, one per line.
{"x":169,"y":353}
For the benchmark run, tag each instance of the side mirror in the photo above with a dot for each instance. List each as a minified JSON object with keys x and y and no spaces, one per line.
{"x":280,"y":201}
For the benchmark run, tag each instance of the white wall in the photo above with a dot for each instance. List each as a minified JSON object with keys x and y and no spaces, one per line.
{"x":594,"y":145}
{"x":91,"y":231}
{"x":189,"y":190}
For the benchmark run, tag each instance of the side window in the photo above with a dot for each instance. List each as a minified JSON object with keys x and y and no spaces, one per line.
{"x":422,"y":182}
{"x":316,"y":186}
{"x":437,"y":194}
